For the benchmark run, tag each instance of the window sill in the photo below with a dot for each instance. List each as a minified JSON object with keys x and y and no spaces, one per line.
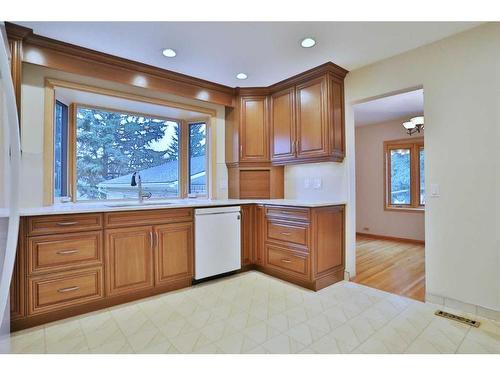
{"x":405,"y":209}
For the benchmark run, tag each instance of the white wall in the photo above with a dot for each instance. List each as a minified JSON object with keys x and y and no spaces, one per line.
{"x":370,"y":212}
{"x":32,"y":128}
{"x":461,"y":80}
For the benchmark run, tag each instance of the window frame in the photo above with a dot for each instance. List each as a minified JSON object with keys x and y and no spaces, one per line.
{"x":183,"y":152}
{"x":65,"y":159}
{"x":414,"y":145}
{"x":207,"y":153}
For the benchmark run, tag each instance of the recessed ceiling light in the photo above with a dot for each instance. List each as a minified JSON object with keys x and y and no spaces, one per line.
{"x":308,"y":42}
{"x":241,"y":76}
{"x":169,"y":52}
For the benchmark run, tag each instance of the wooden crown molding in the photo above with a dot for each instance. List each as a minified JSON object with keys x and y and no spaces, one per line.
{"x":326,"y":68}
{"x":17,"y":32}
{"x":54,"y":54}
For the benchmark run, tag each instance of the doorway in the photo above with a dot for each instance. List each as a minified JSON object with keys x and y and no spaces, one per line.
{"x":390,"y":194}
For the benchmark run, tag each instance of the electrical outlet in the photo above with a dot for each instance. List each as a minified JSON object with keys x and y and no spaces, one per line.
{"x":307,"y":183}
{"x":367,"y":229}
{"x":318,"y":183}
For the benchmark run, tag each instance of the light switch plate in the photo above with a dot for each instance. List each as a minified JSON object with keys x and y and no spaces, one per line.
{"x":307,"y":183}
{"x":318,"y":183}
{"x":435,"y":190}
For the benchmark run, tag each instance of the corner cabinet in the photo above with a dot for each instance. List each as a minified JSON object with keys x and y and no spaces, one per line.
{"x":282,"y":129}
{"x":307,"y":122}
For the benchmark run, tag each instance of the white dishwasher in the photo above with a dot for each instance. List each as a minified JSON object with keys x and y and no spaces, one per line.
{"x":217,"y":241}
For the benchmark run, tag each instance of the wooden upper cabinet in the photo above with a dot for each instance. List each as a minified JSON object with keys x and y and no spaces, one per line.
{"x":336,"y":108}
{"x":129,"y":259}
{"x":312,"y":119}
{"x":254,"y":130}
{"x":173,"y":252}
{"x":282,"y":125}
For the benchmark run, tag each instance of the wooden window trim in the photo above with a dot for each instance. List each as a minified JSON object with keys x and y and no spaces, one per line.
{"x":414,"y":145}
{"x":208,"y":153}
{"x":48,"y":153}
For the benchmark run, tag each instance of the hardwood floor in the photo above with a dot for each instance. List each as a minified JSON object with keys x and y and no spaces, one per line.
{"x":389,"y":265}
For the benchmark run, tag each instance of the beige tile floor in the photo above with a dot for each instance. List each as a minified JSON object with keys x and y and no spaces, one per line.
{"x":255,"y":313}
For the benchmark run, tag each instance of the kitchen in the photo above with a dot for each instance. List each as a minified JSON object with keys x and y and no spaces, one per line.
{"x":174,"y":214}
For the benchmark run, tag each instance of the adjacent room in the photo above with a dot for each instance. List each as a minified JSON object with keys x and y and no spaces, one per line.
{"x":390,"y":194}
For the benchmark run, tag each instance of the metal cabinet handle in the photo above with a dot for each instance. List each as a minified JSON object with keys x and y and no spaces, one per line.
{"x":67,"y":223}
{"x":151,"y":240}
{"x":70,"y":289}
{"x":286,"y":260}
{"x":67,"y":252}
{"x":157,"y":239}
{"x":286,"y":233}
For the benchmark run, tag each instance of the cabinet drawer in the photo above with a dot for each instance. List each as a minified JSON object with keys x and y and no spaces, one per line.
{"x":66,"y":289}
{"x":288,"y":261}
{"x":287,"y":232}
{"x":62,"y":252}
{"x":148,"y":217}
{"x":38,"y":225}
{"x":288,"y":213}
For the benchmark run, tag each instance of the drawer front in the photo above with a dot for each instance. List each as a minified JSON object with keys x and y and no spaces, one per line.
{"x":287,"y":232}
{"x":67,"y":289}
{"x":288,"y":213}
{"x":147,"y":217}
{"x":286,"y":260}
{"x":39,"y":225}
{"x":62,"y":252}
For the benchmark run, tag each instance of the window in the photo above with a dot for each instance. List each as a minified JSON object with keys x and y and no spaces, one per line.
{"x":404,"y":169}
{"x":198,"y":158}
{"x":111,"y":146}
{"x":60,"y":150}
{"x":107,"y":146}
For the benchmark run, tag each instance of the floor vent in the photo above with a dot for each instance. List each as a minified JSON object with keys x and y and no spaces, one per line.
{"x":457,"y":318}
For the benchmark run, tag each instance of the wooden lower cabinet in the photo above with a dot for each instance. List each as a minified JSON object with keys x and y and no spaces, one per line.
{"x":247,"y":234}
{"x":108,"y":260}
{"x":173,"y":252}
{"x":56,"y":291}
{"x":129,"y":259}
{"x":303,"y":245}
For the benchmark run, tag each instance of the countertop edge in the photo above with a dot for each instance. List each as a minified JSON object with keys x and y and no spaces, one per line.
{"x":81,"y":208}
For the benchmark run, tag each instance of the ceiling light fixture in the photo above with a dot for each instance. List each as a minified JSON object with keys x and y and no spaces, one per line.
{"x":308,"y":42}
{"x":169,"y":52}
{"x":241,"y":76}
{"x":414,"y":125}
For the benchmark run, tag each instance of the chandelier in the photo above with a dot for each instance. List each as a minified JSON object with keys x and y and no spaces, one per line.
{"x":414,"y":125}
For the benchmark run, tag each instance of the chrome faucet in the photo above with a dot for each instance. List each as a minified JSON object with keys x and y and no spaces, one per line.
{"x":136,"y":181}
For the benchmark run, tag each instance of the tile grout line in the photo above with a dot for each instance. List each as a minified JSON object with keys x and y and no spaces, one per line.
{"x":384,"y":325}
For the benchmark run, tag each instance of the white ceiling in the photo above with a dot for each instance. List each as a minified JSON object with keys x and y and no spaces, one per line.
{"x":404,"y":105}
{"x":266,"y":51}
{"x":69,"y":96}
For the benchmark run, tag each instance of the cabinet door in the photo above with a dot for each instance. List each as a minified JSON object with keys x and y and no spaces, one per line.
{"x":173,"y":252}
{"x":129,"y":259}
{"x":247,"y":230}
{"x":312,"y":122}
{"x":283,"y":125}
{"x":337,"y":118}
{"x":254,"y":137}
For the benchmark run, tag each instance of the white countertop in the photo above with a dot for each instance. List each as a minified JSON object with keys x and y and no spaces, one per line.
{"x":73,"y":208}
